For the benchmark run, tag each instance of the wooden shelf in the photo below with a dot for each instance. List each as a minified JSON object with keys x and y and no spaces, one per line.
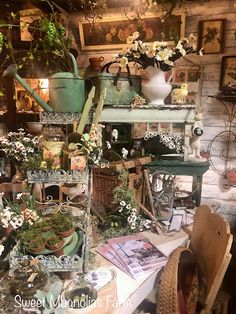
{"x":27,"y":116}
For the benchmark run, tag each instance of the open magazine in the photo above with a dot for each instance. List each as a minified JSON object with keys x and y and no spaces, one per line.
{"x":133,"y":254}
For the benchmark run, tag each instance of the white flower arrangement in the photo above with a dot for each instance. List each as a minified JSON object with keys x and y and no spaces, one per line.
{"x":19,"y":146}
{"x":17,"y":214}
{"x":134,"y":220}
{"x":171,"y":141}
{"x":157,"y":54}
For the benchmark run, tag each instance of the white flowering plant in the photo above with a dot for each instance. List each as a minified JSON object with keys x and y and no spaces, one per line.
{"x":171,"y":141}
{"x":134,"y":221}
{"x":127,"y":219}
{"x":157,"y":54}
{"x":19,"y":146}
{"x":19,"y":214}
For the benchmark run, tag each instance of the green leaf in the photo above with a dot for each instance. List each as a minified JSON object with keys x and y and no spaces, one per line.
{"x":30,"y":56}
{"x":86,"y":137}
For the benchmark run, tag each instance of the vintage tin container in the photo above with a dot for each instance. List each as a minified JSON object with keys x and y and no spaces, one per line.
{"x":119,"y":94}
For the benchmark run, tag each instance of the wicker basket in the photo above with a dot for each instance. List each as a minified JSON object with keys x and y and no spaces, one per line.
{"x":106,"y":180}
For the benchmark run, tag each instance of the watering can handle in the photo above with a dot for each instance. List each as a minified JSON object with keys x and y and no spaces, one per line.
{"x":76,"y":73}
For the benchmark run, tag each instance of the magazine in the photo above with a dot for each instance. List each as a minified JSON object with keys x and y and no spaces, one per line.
{"x":107,"y":251}
{"x":137,"y":253}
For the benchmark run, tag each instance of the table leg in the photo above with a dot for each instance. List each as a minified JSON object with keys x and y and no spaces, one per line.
{"x":197,"y":189}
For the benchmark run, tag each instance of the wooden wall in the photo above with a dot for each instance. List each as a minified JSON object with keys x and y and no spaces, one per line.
{"x":215,"y":118}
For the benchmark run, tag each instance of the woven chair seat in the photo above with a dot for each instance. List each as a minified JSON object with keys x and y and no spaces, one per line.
{"x":178,"y":290}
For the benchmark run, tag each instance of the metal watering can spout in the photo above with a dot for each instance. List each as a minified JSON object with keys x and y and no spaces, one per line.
{"x":66,"y":90}
{"x":12,"y":71}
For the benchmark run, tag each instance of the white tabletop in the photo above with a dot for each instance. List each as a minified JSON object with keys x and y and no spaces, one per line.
{"x":124,"y":293}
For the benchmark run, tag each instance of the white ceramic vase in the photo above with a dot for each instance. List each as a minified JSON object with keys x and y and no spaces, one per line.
{"x":156,"y":88}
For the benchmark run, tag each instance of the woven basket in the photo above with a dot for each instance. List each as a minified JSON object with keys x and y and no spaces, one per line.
{"x":178,"y":290}
{"x":106,"y":180}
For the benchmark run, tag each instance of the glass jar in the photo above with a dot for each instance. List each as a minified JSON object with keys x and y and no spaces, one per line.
{"x":53,"y":143}
{"x":80,"y":293}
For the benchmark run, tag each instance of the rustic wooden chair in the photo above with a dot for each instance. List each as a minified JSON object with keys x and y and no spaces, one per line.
{"x":211,"y":243}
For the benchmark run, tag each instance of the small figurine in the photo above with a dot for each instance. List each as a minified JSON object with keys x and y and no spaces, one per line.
{"x":178,"y":95}
{"x":195,"y":143}
{"x":124,"y":153}
{"x":114,"y":135}
{"x":137,"y":101}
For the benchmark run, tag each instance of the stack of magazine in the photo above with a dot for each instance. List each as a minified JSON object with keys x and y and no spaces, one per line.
{"x":134,"y":254}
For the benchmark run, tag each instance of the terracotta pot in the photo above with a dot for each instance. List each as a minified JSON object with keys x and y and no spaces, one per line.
{"x":66,"y":233}
{"x":37,"y":249}
{"x":55,"y":247}
{"x":205,"y":154}
{"x":95,"y":63}
{"x":59,"y":252}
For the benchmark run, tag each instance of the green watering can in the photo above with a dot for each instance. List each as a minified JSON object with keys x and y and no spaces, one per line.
{"x":66,"y":90}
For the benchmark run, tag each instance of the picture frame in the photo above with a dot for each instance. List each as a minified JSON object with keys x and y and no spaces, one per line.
{"x":112,"y":32}
{"x":192,"y":76}
{"x":228,"y":71}
{"x":211,"y":36}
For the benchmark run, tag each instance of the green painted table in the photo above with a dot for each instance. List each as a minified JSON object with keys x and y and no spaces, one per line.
{"x":184,"y":168}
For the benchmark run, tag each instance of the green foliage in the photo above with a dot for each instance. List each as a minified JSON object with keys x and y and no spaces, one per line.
{"x":115,"y":232}
{"x":36,"y":242}
{"x":27,"y":236}
{"x":123,"y":192}
{"x":50,"y":45}
{"x":54,"y":240}
{"x":62,"y":222}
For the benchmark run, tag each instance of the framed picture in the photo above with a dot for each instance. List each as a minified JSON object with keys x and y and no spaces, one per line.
{"x":111,"y":33}
{"x":27,"y":18}
{"x":211,"y":36}
{"x":228,"y":71}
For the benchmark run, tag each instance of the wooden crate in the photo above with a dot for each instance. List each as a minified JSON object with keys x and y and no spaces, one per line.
{"x":106,"y":180}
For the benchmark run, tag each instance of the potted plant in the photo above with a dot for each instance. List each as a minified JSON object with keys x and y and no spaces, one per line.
{"x":27,"y":236}
{"x":37,"y":245}
{"x":63,"y":224}
{"x":43,"y":225}
{"x":54,"y":243}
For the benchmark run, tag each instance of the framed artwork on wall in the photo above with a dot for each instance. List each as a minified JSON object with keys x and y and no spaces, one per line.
{"x":228,"y":72}
{"x":190,"y":75}
{"x":211,"y":36}
{"x":111,"y":33}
